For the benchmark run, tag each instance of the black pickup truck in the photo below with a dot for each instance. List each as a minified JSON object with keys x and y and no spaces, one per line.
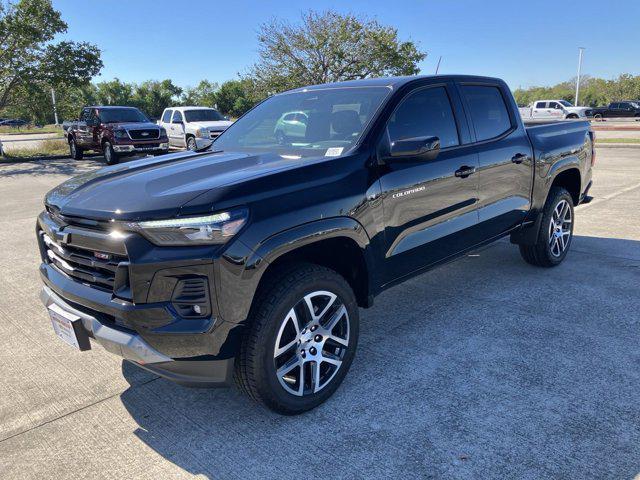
{"x":250,"y":260}
{"x":618,"y":110}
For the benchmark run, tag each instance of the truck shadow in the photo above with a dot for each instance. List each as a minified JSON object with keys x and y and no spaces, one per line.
{"x":533,"y":372}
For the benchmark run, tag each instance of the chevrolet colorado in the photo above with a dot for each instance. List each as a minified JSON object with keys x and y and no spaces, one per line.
{"x":250,"y":260}
{"x":116,"y":132}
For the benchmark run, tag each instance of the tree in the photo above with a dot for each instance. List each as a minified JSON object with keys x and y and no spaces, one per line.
{"x":203,"y":94}
{"x":113,"y":92}
{"x":235,"y":97}
{"x":330,"y":47}
{"x":154,"y":96}
{"x":29,"y":59}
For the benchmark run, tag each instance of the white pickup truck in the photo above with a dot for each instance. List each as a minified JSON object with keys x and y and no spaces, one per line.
{"x":193,"y":127}
{"x":550,"y":109}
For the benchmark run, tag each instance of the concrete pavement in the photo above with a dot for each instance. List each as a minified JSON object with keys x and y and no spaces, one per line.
{"x":483,"y":368}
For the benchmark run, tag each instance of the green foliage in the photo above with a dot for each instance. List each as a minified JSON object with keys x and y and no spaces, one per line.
{"x":153,"y":96}
{"x":329,"y":47}
{"x":30,"y":62}
{"x":593,"y":91}
{"x":235,"y":97}
{"x":204,"y":94}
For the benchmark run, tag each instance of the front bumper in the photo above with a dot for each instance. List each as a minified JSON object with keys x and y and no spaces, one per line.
{"x":142,"y":148}
{"x":202,"y":143}
{"x":131,"y":346}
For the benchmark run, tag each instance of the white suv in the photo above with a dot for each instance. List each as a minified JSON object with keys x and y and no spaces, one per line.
{"x":193,"y":127}
{"x":548,"y":109}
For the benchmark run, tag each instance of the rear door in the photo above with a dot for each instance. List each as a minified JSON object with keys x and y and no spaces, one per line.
{"x":556,"y":110}
{"x":540,"y":110}
{"x":504,"y":154}
{"x":428,"y":207}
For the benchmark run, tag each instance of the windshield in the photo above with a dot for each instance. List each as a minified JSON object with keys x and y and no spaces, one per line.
{"x":565,"y":103}
{"x":118,"y":115}
{"x":305,"y":123}
{"x":204,"y":115}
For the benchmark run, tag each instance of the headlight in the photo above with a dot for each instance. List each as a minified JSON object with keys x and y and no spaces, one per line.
{"x":202,"y":133}
{"x":213,"y":229}
{"x":120,"y":133}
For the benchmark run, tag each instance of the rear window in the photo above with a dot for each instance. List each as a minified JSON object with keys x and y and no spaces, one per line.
{"x":488,"y":111}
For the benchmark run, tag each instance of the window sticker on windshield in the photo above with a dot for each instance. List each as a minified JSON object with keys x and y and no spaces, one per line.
{"x":333,"y":151}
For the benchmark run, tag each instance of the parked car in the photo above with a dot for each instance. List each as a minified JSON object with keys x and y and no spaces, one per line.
{"x":290,"y":125}
{"x":13,"y":122}
{"x":193,"y":127}
{"x":618,"y":109}
{"x":559,"y":109}
{"x":116,"y":132}
{"x":251,"y":259}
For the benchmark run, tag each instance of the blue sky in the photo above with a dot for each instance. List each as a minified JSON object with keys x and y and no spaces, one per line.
{"x":525,"y":42}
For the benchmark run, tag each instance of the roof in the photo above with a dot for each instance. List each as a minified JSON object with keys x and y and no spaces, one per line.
{"x":392,"y":82}
{"x":190,"y":107}
{"x":108,"y":107}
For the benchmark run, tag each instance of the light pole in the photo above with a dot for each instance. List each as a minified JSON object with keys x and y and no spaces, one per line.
{"x":55,"y":110}
{"x":581,"y":50}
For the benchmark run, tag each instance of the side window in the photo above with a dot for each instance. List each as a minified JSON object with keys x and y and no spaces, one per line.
{"x":94,"y":115}
{"x":541,"y":105}
{"x":166,"y":116}
{"x":84,"y":116}
{"x":425,"y":113}
{"x":488,"y":111}
{"x":624,"y":106}
{"x":615,"y":106}
{"x":177,"y":117}
{"x":289,"y":117}
{"x":555,"y":105}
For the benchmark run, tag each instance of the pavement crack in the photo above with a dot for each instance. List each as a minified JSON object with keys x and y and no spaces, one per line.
{"x":52,"y":420}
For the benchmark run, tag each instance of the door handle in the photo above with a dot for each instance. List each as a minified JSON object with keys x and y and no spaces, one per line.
{"x":518,"y":158}
{"x":465,"y":171}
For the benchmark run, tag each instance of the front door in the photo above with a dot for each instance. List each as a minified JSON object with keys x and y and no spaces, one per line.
{"x":505,"y":157}
{"x":176,"y":130}
{"x":429,"y":206}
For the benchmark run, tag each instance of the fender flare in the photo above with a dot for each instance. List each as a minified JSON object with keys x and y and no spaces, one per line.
{"x":239,"y":283}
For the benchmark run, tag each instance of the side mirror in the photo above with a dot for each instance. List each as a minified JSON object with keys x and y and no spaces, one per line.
{"x":425,"y":148}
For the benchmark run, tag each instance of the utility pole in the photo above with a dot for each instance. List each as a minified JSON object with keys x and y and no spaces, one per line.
{"x":438,"y":66}
{"x":581,"y":50}
{"x":55,"y":110}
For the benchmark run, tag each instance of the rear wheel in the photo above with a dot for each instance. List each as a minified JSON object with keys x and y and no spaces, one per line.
{"x":74,"y":150}
{"x":556,"y":231}
{"x":301,"y":340}
{"x":598,"y":116}
{"x":110,"y":156}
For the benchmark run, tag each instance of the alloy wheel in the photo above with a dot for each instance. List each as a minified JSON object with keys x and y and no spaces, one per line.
{"x":560,"y":228}
{"x":311,"y":343}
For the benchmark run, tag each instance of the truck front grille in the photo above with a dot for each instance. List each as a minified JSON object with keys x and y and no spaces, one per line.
{"x":215,"y":134}
{"x":145,"y":134}
{"x":102,"y":270}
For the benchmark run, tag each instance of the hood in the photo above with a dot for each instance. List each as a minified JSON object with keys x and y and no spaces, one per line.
{"x":157,"y":188}
{"x":131,"y":125}
{"x":217,"y":125}
{"x":576,"y":109}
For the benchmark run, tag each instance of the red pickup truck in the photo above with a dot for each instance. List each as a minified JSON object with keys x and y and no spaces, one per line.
{"x":116,"y":132}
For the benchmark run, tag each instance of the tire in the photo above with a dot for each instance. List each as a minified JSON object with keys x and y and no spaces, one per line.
{"x":74,"y":151}
{"x":191,"y":144}
{"x":572,"y":116}
{"x":280,"y":138}
{"x":266,"y":375}
{"x":598,"y":116}
{"x":555,"y":235}
{"x":110,"y":156}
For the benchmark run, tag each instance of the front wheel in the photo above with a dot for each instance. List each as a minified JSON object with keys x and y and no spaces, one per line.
{"x":191,"y":144}
{"x":301,"y":340}
{"x":556,"y":231}
{"x":110,"y":156}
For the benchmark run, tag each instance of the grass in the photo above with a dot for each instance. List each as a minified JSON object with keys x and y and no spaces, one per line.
{"x":22,"y":130}
{"x":47,"y":148}
{"x":617,"y":140}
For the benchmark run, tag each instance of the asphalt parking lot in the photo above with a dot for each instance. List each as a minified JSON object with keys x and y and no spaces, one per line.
{"x":484,"y":368}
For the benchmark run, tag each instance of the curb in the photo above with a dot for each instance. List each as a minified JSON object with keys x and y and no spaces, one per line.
{"x":10,"y":160}
{"x":617,"y":145}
